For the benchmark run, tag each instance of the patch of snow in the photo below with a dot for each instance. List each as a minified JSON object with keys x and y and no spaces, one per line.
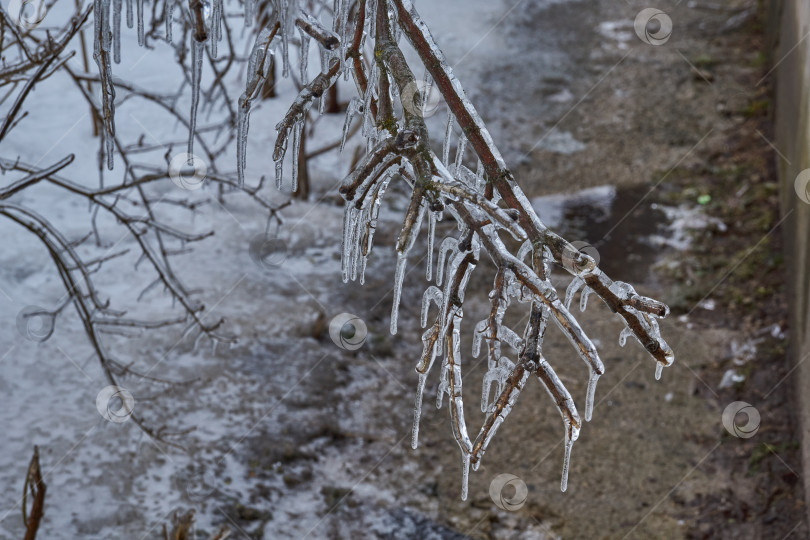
{"x":551,"y":208}
{"x":561,"y":142}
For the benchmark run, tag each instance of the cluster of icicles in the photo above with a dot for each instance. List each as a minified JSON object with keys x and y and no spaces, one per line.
{"x":107,"y":49}
{"x":447,"y":294}
{"x":332,"y":48}
{"x":453,"y":264}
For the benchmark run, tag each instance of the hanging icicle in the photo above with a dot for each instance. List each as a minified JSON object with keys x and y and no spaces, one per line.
{"x":259,"y":65}
{"x":116,"y":7}
{"x":169,"y":19}
{"x":141,"y":38}
{"x":200,"y":11}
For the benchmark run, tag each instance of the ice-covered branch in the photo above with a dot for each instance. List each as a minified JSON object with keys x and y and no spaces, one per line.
{"x":485,"y":201}
{"x":311,"y":26}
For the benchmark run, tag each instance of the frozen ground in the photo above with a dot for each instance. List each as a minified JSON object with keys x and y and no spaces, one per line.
{"x":298,"y":438}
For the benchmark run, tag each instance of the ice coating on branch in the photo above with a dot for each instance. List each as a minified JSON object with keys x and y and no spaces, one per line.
{"x":116,"y":7}
{"x":443,"y":383}
{"x":510,"y":337}
{"x":507,"y":397}
{"x":622,"y":290}
{"x":427,"y":87}
{"x":297,"y":132}
{"x":346,"y":245}
{"x":354,"y":107}
{"x":659,"y":368}
{"x":216,"y":25}
{"x":249,"y":13}
{"x":465,"y":279}
{"x":558,"y":393}
{"x":448,"y":133}
{"x":654,"y":330}
{"x":591,"y":394}
{"x":242,"y":127}
{"x":197,"y":52}
{"x":524,"y":250}
{"x":371,"y":16}
{"x":496,"y":375}
{"x":624,"y":334}
{"x":431,"y":294}
{"x":302,"y":107}
{"x":576,"y":284}
{"x":449,"y":246}
{"x":279,"y":168}
{"x":583,"y":298}
{"x":343,"y":29}
{"x":399,"y":277}
{"x":480,"y":180}
{"x":101,"y":54}
{"x":285,"y":42}
{"x":433,"y":217}
{"x":353,"y":234}
{"x":373,"y":218}
{"x":169,"y":20}
{"x":369,"y":126}
{"x":417,"y":410}
{"x":456,"y":405}
{"x":465,"y":475}
{"x":429,"y":353}
{"x":478,"y":337}
{"x":571,"y":435}
{"x":140,"y":23}
{"x":576,"y":336}
{"x":259,"y":65}
{"x":462,"y":145}
{"x":303,"y":56}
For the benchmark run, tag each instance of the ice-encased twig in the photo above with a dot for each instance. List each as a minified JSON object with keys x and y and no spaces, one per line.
{"x":101,"y":54}
{"x":313,"y":28}
{"x":259,"y":65}
{"x":405,"y":242}
{"x":456,"y":400}
{"x":116,"y":28}
{"x":486,"y":204}
{"x":298,"y":110}
{"x":197,"y":52}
